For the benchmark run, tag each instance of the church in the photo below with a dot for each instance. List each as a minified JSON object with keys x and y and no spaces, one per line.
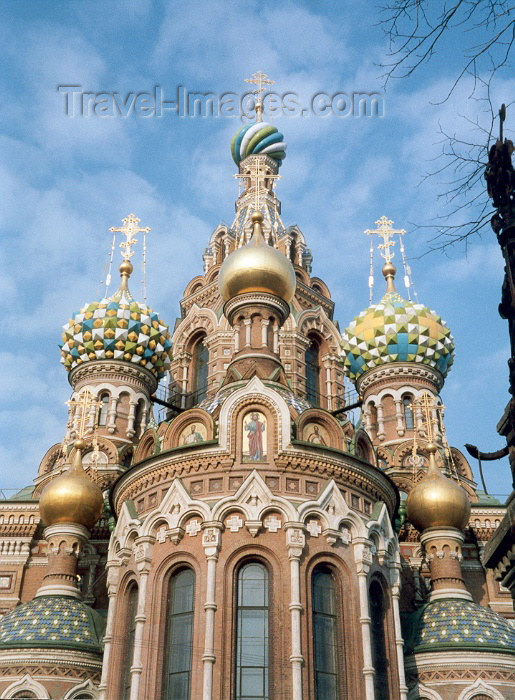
{"x":254,"y":530}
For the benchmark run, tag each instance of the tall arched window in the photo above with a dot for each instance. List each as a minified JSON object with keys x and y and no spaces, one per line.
{"x":129,"y":633}
{"x":200,"y":366}
{"x":104,"y":408}
{"x":408,"y":412}
{"x":379,"y":652}
{"x":179,"y":636}
{"x":252,"y":633}
{"x":312,"y":358}
{"x":326,"y":632}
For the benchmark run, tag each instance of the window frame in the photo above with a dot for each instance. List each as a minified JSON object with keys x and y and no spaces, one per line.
{"x":234,"y":645}
{"x":339,"y":616}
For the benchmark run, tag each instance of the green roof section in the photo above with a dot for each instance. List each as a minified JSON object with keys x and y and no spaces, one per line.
{"x":24,"y":495}
{"x":485,"y":499}
{"x":53,"y":622}
{"x":456,"y":624}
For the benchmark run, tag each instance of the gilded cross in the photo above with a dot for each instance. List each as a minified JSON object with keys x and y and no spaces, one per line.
{"x":256,"y":174}
{"x":84,"y":403}
{"x":129,"y":229}
{"x":261,"y":80}
{"x":428,"y":405}
{"x":385,"y":230}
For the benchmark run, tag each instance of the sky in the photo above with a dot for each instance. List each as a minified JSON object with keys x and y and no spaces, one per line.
{"x":66,"y":178}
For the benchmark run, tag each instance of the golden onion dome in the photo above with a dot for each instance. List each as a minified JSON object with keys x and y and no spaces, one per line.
{"x":437,"y":501}
{"x":257,"y":267}
{"x":71,"y":497}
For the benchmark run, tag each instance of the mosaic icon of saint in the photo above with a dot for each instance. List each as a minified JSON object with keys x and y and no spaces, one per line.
{"x":255,"y":429}
{"x":315,"y":436}
{"x":193,"y":437}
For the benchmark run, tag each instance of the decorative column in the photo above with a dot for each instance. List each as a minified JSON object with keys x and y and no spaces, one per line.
{"x":248,"y":326}
{"x":113,"y":575}
{"x":143,"y":557}
{"x":295,"y":542}
{"x":130,"y":421}
{"x":380,"y":421}
{"x":395,"y":580}
{"x":264,"y":331}
{"x":236,"y":337}
{"x":211,"y":541}
{"x":363,"y":559}
{"x":111,"y":414}
{"x":399,"y":417}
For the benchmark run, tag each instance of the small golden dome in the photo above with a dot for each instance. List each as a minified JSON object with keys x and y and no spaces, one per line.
{"x":71,"y":497}
{"x":437,"y":501}
{"x":257,"y":267}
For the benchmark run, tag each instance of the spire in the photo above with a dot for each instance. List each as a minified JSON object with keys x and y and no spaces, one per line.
{"x":386,"y":231}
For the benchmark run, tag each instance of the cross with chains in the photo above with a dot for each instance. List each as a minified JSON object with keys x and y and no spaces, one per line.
{"x":385,"y":230}
{"x":129,"y":229}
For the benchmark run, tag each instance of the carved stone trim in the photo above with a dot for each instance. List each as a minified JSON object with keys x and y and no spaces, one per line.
{"x":400,"y":370}
{"x":112,"y":369}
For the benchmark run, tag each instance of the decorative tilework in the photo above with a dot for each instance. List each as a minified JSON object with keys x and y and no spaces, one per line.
{"x":457,"y":624}
{"x":396,"y":330}
{"x":53,"y":621}
{"x":117,"y":328}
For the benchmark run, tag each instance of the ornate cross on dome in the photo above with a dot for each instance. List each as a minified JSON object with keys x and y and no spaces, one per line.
{"x":261,"y":80}
{"x":129,"y":228}
{"x":84,"y":403}
{"x":385,"y":230}
{"x":258,"y":177}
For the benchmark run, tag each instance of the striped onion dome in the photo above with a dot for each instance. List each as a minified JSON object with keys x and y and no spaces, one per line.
{"x":255,"y":138}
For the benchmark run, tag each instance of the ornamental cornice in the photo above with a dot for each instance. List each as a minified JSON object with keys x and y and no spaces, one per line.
{"x":250,"y":298}
{"x":399,"y":370}
{"x":161,"y":468}
{"x":50,"y":657}
{"x":112,"y":369}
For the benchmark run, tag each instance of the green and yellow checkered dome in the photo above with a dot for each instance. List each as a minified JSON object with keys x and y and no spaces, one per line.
{"x":396,"y":330}
{"x":117,"y":328}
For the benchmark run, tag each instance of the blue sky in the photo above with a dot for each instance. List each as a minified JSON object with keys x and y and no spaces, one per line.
{"x":64,"y":181}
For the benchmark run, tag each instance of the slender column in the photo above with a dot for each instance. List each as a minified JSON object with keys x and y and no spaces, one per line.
{"x":395,"y":568}
{"x":142,"y":556}
{"x":211,"y":541}
{"x":111,"y":415}
{"x":398,"y":415}
{"x":363,"y":559}
{"x":295,"y":541}
{"x":247,"y":323}
{"x":130,"y":421}
{"x":276,"y":339}
{"x":380,"y":421}
{"x":236,"y":337}
{"x":419,"y":419}
{"x":264,"y":332}
{"x":367,"y":419}
{"x":113,"y":572}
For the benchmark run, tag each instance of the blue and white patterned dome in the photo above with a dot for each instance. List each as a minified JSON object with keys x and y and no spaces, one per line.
{"x":117,"y":328}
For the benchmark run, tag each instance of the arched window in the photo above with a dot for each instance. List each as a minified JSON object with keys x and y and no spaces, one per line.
{"x":379,"y":654}
{"x":327,"y":652}
{"x":312,"y":358}
{"x":128,"y":636}
{"x":252,"y":633}
{"x":408,"y":412}
{"x":200,"y":366}
{"x":104,"y":408}
{"x":24,"y":695}
{"x":179,"y":636}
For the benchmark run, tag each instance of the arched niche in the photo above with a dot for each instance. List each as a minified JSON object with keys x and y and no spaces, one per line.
{"x":147,"y":446}
{"x":188,"y":429}
{"x":320,"y":428}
